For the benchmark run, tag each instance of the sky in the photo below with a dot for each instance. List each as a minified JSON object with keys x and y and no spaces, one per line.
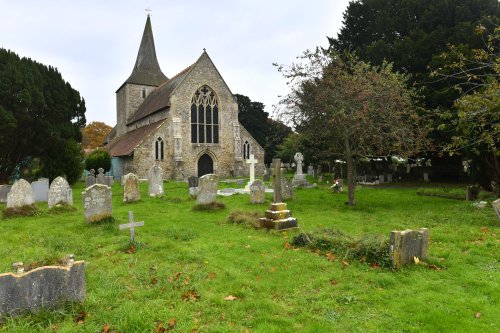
{"x":94,"y":43}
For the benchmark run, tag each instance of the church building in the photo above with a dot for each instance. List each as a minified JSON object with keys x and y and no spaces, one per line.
{"x":186,"y":124}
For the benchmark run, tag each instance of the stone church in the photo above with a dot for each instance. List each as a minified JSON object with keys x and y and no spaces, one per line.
{"x":187,"y":124}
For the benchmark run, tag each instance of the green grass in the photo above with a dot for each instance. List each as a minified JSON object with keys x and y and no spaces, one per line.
{"x":185,"y":262}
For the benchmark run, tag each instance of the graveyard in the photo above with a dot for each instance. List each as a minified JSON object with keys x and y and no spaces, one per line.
{"x":190,"y":270}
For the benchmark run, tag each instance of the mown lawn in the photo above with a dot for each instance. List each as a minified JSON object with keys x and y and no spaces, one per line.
{"x":186,"y":262}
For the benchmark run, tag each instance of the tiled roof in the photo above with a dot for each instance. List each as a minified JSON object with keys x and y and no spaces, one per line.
{"x":159,"y":99}
{"x":124,"y":145}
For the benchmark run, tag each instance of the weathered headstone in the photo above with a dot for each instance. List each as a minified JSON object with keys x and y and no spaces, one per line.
{"x":90,"y":180}
{"x":320,"y":179}
{"x":426,"y":177}
{"x":60,"y":193}
{"x":4,"y":190}
{"x":21,"y":194}
{"x":278,"y":217}
{"x":208,"y":185}
{"x":193,"y":182}
{"x":257,"y":192}
{"x":320,"y":170}
{"x":97,"y":204}
{"x":43,"y":287}
{"x":496,"y":207}
{"x":381,"y":179}
{"x":310,"y":170}
{"x":109,"y":180}
{"x":155,"y":181}
{"x":131,"y":225}
{"x":407,"y":245}
{"x":389,"y":178}
{"x":472,"y":192}
{"x":287,"y":189}
{"x":267,"y":175}
{"x":299,"y":179}
{"x":251,"y":161}
{"x":131,"y":188}
{"x":100,"y":178}
{"x":41,"y":189}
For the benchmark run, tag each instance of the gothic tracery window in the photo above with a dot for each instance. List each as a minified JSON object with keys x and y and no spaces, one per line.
{"x":204,"y":116}
{"x":159,"y":149}
{"x":246,"y":150}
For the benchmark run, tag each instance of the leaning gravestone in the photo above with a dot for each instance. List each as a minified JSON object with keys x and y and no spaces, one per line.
{"x":407,"y":245}
{"x":43,"y":287}
{"x":257,"y":192}
{"x":193,"y":182}
{"x":131,"y":188}
{"x":287,"y":189}
{"x":101,"y":178}
{"x":21,"y":194}
{"x":60,"y":193}
{"x":41,"y":189}
{"x":97,"y":204}
{"x":155,"y":181}
{"x":4,"y":190}
{"x":208,"y":185}
{"x":90,"y":180}
{"x":496,"y":207}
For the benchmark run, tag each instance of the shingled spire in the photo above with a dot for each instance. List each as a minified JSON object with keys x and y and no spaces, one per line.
{"x":147,"y":70}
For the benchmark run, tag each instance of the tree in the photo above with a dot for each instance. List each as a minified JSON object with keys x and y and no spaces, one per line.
{"x":267,"y":132}
{"x":94,"y":134}
{"x":352,"y":108}
{"x":40,"y":114}
{"x":477,"y":117}
{"x":98,"y":159}
{"x":290,"y":146}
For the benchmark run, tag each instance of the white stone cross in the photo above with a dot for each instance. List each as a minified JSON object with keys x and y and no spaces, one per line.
{"x":252,"y":161}
{"x":131,"y":225}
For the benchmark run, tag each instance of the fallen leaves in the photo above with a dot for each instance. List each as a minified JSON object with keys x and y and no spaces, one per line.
{"x":416,"y":260}
{"x":80,"y":318}
{"x":477,"y":315}
{"x":154,"y":281}
{"x":374,"y":265}
{"x":131,"y":249}
{"x":175,"y":277}
{"x":330,"y":256}
{"x":333,"y":282}
{"x":288,"y":246}
{"x":160,"y":327}
{"x":212,"y":276}
{"x":230,"y":298}
{"x":345,"y":263}
{"x":190,"y":295}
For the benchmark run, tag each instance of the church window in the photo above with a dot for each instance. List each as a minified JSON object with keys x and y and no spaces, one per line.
{"x":246,"y":150}
{"x":204,"y":116}
{"x":143,"y":92}
{"x":159,"y":149}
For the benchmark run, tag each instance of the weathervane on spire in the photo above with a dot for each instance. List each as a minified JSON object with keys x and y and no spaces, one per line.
{"x":148,"y":10}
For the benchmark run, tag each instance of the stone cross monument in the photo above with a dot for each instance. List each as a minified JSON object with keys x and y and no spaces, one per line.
{"x":252,"y":161}
{"x":131,"y":225}
{"x":277,"y":179}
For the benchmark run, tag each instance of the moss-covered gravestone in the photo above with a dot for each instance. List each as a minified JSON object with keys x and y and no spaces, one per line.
{"x":407,"y":245}
{"x":97,"y":204}
{"x":131,"y":188}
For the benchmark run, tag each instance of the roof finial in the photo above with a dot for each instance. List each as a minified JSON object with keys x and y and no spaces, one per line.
{"x":148,"y":10}
{"x":204,"y":49}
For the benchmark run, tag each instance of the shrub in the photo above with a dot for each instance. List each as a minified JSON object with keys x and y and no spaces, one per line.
{"x":98,"y":159}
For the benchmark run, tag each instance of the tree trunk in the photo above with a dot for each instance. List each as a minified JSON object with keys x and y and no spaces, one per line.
{"x":350,"y":172}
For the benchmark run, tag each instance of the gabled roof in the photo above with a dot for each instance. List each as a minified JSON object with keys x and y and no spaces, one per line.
{"x":159,"y":99}
{"x":147,"y":70}
{"x":124,"y":145}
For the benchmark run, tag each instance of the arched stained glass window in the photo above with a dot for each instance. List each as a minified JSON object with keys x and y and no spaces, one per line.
{"x":204,"y":116}
{"x":159,"y":149}
{"x":246,"y":150}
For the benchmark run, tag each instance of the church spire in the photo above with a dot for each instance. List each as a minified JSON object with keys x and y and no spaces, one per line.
{"x":147,"y":70}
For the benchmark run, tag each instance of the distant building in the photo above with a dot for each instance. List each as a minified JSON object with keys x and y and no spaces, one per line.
{"x":187,"y":124}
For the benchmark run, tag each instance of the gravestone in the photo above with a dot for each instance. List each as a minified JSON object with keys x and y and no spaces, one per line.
{"x":381,"y":179}
{"x":193,"y":182}
{"x":267,"y":175}
{"x":100,"y":178}
{"x":287,"y":189}
{"x":155,"y":181}
{"x":4,"y":190}
{"x":496,"y":207}
{"x":41,"y":189}
{"x":97,"y":204}
{"x":426,"y":177}
{"x":251,"y":161}
{"x":320,"y":179}
{"x":131,"y":188}
{"x":43,"y":287}
{"x":310,"y":170}
{"x":407,"y":245}
{"x":60,"y":193}
{"x":278,"y":217}
{"x":21,"y":194}
{"x":299,"y":179}
{"x":90,"y":180}
{"x":109,"y":180}
{"x":320,"y":170}
{"x":208,"y":185}
{"x":257,"y":192}
{"x":389,"y":178}
{"x":131,"y":225}
{"x":472,"y":192}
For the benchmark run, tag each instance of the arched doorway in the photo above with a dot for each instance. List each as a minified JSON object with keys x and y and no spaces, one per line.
{"x":205,"y":165}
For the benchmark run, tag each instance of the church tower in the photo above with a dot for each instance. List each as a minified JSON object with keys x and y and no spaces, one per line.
{"x":146,"y":77}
